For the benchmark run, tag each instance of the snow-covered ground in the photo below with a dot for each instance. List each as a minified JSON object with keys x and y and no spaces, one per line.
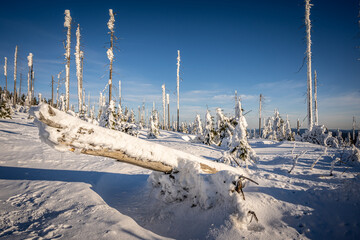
{"x":48,"y":194}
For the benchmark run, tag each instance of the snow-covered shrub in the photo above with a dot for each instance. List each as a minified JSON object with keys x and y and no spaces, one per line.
{"x":5,"y":110}
{"x":108,"y":116}
{"x":209,"y":132}
{"x":239,"y":149}
{"x":277,"y":129}
{"x":339,"y":137}
{"x":197,"y":129}
{"x":206,"y":191}
{"x":183,"y":127}
{"x":154,"y":125}
{"x":319,"y":136}
{"x":224,"y":129}
{"x":357,"y":144}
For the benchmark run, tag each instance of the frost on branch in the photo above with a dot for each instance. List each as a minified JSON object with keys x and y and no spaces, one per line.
{"x":5,"y":67}
{"x":30,"y":59}
{"x":319,"y":136}
{"x":110,"y":54}
{"x":111,"y":21}
{"x":67,"y":22}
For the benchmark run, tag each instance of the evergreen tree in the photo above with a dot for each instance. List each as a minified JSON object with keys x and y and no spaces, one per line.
{"x":239,"y":148}
{"x":209,"y":132}
{"x":108,"y":116}
{"x":154,"y":125}
{"x":197,"y":129}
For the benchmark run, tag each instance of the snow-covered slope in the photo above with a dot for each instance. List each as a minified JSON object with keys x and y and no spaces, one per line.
{"x":47,"y":194}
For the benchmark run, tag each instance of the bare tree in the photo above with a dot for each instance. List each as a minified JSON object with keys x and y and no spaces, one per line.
{"x":178,"y":90}
{"x":110,"y":51}
{"x":5,"y":74}
{"x":315,"y":100}
{"x":164,"y":108}
{"x":30,"y":75}
{"x":260,"y":115}
{"x":79,"y":71}
{"x":67,"y":24}
{"x":15,"y":72}
{"x":308,"y":54}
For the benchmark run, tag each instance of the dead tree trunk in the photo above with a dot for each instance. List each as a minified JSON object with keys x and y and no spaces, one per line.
{"x":308,"y":55}
{"x":315,"y":100}
{"x":67,"y":24}
{"x":15,"y":72}
{"x":260,"y":115}
{"x":110,"y":52}
{"x":178,"y":91}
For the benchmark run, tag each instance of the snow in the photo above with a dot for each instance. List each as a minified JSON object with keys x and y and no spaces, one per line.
{"x":111,"y":20}
{"x":30,"y":60}
{"x":110,"y":54}
{"x":67,"y":22}
{"x":51,"y":194}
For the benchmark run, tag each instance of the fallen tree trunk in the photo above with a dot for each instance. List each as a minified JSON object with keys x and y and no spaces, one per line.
{"x":66,"y":132}
{"x":177,"y":176}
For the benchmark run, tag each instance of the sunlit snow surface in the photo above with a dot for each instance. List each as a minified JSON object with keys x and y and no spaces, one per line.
{"x":47,"y":194}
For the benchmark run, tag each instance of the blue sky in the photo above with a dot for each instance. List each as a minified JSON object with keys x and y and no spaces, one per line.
{"x":250,"y":46}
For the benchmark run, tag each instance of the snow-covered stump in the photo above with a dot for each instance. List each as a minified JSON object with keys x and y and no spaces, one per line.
{"x":177,"y":176}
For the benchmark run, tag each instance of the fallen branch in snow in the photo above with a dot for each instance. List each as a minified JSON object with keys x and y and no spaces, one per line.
{"x":296,"y":160}
{"x":321,"y":155}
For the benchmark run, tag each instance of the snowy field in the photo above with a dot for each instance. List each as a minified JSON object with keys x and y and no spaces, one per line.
{"x":48,"y":194}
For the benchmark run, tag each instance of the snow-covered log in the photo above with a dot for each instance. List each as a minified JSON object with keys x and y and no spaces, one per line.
{"x":177,"y":175}
{"x":66,"y":132}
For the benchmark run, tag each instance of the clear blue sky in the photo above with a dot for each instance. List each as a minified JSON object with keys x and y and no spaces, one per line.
{"x":250,"y":46}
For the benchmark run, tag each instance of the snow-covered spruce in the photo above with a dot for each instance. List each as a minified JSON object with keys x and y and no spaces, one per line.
{"x":108,"y":116}
{"x":178,"y":176}
{"x":154,"y":125}
{"x":5,"y":109}
{"x":319,"y":136}
{"x":277,"y":129}
{"x":224,"y":129}
{"x":239,"y":150}
{"x":209,"y":132}
{"x":197,"y":129}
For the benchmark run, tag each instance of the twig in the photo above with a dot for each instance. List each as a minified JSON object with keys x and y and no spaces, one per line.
{"x":321,"y":155}
{"x":296,"y":159}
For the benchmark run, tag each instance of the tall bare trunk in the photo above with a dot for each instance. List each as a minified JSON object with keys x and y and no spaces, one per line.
{"x":52,"y":90}
{"x":15,"y":72}
{"x":110,"y":51}
{"x":67,"y":58}
{"x":308,"y":54}
{"x":260,"y":115}
{"x":178,"y":91}
{"x":164,"y":108}
{"x":315,"y":100}
{"x":79,"y":70}
{"x":5,"y":74}
{"x":168,"y":108}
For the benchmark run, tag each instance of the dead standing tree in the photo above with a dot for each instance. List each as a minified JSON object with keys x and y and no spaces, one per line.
{"x":110,"y":51}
